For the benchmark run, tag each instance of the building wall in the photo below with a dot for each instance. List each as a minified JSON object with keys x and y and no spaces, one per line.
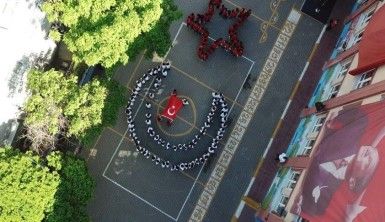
{"x":331,"y":77}
{"x":23,"y":39}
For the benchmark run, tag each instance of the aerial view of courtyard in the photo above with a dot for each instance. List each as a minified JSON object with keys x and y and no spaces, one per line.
{"x":192,"y":110}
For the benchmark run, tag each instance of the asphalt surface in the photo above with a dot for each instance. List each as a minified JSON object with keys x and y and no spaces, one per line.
{"x":131,"y":188}
{"x":305,"y":90}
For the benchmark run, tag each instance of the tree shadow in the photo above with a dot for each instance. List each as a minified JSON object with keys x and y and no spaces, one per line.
{"x":15,"y":82}
{"x":5,"y":131}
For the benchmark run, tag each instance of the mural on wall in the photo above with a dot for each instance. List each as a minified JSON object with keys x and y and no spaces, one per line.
{"x":345,"y":181}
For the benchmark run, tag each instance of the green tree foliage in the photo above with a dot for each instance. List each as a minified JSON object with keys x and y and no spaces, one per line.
{"x":57,"y":104}
{"x":55,"y":35}
{"x":27,"y":188}
{"x":75,"y":189}
{"x":158,"y":38}
{"x":101,"y":31}
{"x":114,"y":101}
{"x":34,"y":189}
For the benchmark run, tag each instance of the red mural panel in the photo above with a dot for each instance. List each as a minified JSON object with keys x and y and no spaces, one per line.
{"x":371,"y":52}
{"x":345,"y":180}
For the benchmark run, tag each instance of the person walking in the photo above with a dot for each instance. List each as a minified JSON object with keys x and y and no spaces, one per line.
{"x":281,"y":158}
{"x":332,"y":24}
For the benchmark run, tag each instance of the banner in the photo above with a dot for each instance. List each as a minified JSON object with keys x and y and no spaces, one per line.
{"x":346,"y":178}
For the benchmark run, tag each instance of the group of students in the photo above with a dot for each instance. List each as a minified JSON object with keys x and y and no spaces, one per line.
{"x":196,"y":22}
{"x":218,"y":106}
{"x":159,"y":72}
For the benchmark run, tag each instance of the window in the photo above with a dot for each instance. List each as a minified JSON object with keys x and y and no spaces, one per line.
{"x":283,"y":201}
{"x":365,"y":18}
{"x":344,"y":68}
{"x":334,"y":91}
{"x":293,"y":179}
{"x":364,"y":79}
{"x":280,"y":211}
{"x":294,"y":176}
{"x":358,"y":37}
{"x":368,"y":16}
{"x":318,"y":124}
{"x":308,"y":147}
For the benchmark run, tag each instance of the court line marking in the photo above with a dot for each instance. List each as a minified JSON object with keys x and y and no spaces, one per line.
{"x":248,"y":59}
{"x":140,"y":198}
{"x":196,"y":179}
{"x":131,"y":192}
{"x":243,"y":121}
{"x":194,"y":114}
{"x":174,"y":40}
{"x":240,"y":90}
{"x":179,"y":117}
{"x":136,"y":69}
{"x":182,"y":172}
{"x":125,"y":133}
{"x":120,"y":134}
{"x":204,"y":84}
{"x":188,"y":195}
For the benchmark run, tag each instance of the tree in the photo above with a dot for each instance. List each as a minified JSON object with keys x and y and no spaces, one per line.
{"x":57,"y":105}
{"x":75,"y":189}
{"x":56,"y":188}
{"x":102,"y":31}
{"x":27,"y":187}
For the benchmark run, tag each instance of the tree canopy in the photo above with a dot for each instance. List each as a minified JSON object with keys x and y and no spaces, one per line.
{"x":102,"y":31}
{"x":75,"y":189}
{"x":27,"y":188}
{"x":36,"y":189}
{"x":57,"y":104}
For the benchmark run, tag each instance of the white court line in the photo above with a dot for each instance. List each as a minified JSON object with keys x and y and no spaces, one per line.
{"x":113,"y":155}
{"x":116,"y":149}
{"x":136,"y":113}
{"x":200,"y":171}
{"x":248,"y":59}
{"x":241,"y":88}
{"x":134,"y":194}
{"x":188,"y":195}
{"x":173,"y":41}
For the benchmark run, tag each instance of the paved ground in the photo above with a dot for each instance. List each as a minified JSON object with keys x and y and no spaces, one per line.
{"x":300,"y":100}
{"x":130,"y":188}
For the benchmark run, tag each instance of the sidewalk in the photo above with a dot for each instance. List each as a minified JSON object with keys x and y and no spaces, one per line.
{"x":286,"y":131}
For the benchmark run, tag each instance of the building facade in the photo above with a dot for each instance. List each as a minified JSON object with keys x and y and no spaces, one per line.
{"x":339,"y":91}
{"x":24,"y":42}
